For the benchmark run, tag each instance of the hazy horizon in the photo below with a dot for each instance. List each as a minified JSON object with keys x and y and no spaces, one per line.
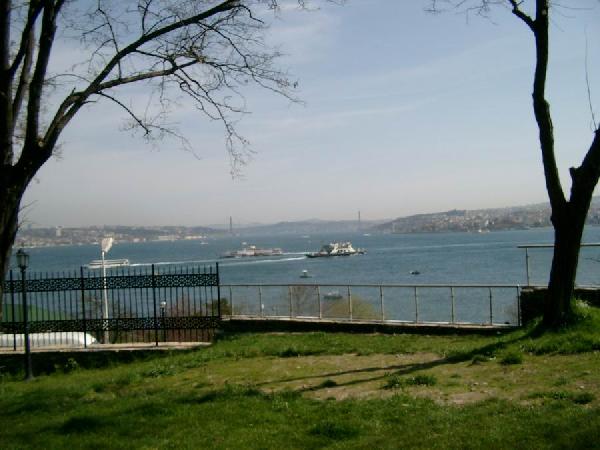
{"x":405,"y":113}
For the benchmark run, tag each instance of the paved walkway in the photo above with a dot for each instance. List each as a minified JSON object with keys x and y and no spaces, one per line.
{"x":110,"y":347}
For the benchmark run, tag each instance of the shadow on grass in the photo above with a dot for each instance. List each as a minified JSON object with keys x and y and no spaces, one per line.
{"x":233,"y":391}
{"x":47,"y":363}
{"x":535,"y":339}
{"x":85,"y":424}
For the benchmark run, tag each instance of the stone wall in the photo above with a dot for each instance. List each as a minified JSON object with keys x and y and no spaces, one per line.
{"x":532,"y":300}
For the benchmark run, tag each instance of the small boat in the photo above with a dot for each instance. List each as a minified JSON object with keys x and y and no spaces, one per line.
{"x":415,"y":272}
{"x":305,"y":274}
{"x":252,"y":250}
{"x":333,"y":295}
{"x":108,"y":263}
{"x":336,"y":249}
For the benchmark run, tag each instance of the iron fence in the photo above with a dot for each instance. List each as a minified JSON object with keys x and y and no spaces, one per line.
{"x":129,"y":304}
{"x":471,"y":304}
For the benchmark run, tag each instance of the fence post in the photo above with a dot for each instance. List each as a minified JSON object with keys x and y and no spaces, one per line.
{"x":518,"y":306}
{"x":218,"y":291}
{"x":349,"y":303}
{"x":154,"y":305}
{"x":452,"y":299}
{"x":82,"y":280}
{"x":416,"y":306}
{"x":381,"y":300}
{"x":290,"y":298}
{"x":12,"y":301}
{"x":319,"y":302}
{"x":231,"y":301}
{"x":527,"y":264}
{"x":491,"y":308}
{"x":260,"y":303}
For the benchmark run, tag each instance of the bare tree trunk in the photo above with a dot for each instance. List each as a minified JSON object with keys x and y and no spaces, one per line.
{"x":11,"y":194}
{"x":568,"y":231}
{"x":569,"y":222}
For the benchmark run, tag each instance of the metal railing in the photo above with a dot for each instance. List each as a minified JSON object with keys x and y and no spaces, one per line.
{"x":457,"y":304}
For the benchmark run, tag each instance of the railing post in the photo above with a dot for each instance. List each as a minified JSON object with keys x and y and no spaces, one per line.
{"x":491,"y":307}
{"x":518,"y":306}
{"x":260,"y":303}
{"x":416,"y":306}
{"x":527,"y":264}
{"x":349,"y":303}
{"x":231,"y":300}
{"x":154,"y":305}
{"x":319,"y":302}
{"x":381,"y":301}
{"x":218,"y":291}
{"x":12,"y":301}
{"x":452,"y":299}
{"x":83,"y":306}
{"x":290,"y":299}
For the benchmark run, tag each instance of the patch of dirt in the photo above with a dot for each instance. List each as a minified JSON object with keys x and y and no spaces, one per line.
{"x":365,"y":376}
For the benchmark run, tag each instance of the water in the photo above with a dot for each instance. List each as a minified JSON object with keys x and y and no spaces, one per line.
{"x":444,"y":258}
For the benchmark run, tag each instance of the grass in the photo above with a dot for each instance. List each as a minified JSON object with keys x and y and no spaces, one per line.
{"x":318,"y":390}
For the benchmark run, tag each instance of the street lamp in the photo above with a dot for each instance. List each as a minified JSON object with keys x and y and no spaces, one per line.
{"x":105,"y":246}
{"x":163,"y":306}
{"x":23,"y":262}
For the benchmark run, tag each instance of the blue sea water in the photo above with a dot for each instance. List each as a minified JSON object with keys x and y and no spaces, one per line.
{"x":441,"y":258}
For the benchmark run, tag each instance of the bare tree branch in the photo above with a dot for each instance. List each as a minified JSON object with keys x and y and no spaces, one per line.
{"x":35,"y":8}
{"x":587,"y":84}
{"x":516,"y":10}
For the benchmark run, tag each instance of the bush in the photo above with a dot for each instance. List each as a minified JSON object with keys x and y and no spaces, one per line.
{"x":396,"y":381}
{"x":512,"y":358}
{"x":334,"y":430}
{"x":583,"y":398}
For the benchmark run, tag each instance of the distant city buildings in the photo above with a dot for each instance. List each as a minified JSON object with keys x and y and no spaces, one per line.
{"x":40,"y":237}
{"x":482,"y":221}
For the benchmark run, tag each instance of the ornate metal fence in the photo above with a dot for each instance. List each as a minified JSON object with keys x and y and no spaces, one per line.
{"x":133,"y":304}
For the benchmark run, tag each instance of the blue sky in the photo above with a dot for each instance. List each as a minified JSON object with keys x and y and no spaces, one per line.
{"x":403,"y":112}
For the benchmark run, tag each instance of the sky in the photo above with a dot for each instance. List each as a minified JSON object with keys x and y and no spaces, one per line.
{"x":403,"y":112}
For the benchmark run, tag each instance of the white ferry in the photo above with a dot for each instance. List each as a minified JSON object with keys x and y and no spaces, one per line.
{"x":108,"y":263}
{"x":252,"y":250}
{"x":336,"y":249}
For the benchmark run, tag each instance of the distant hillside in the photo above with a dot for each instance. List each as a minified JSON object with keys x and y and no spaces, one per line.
{"x":91,"y":235}
{"x":309,"y":227}
{"x":516,"y":217}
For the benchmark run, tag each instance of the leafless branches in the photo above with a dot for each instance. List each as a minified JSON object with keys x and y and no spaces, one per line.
{"x":205,"y":50}
{"x":595,"y":124}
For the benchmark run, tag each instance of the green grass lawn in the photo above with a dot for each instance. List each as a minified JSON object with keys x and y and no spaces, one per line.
{"x":523,"y":389}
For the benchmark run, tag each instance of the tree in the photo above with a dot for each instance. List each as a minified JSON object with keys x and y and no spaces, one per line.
{"x":568,"y":215}
{"x":207,"y":50}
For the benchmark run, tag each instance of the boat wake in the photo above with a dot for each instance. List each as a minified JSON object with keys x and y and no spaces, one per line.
{"x":260,"y":261}
{"x":166,"y":263}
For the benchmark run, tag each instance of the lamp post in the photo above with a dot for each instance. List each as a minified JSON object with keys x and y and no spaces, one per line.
{"x":105,"y":246}
{"x":163,"y":306}
{"x":23,"y":262}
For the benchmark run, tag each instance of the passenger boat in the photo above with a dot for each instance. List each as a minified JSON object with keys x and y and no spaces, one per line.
{"x":336,"y":249}
{"x":107,"y":264}
{"x":252,"y":250}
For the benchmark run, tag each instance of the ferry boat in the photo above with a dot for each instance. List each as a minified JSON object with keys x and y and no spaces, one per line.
{"x":252,"y":250}
{"x":336,"y":249}
{"x":107,"y":264}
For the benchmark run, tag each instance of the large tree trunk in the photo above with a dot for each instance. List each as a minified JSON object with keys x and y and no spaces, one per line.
{"x":568,"y":231}
{"x":11,"y":193}
{"x":569,"y":222}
